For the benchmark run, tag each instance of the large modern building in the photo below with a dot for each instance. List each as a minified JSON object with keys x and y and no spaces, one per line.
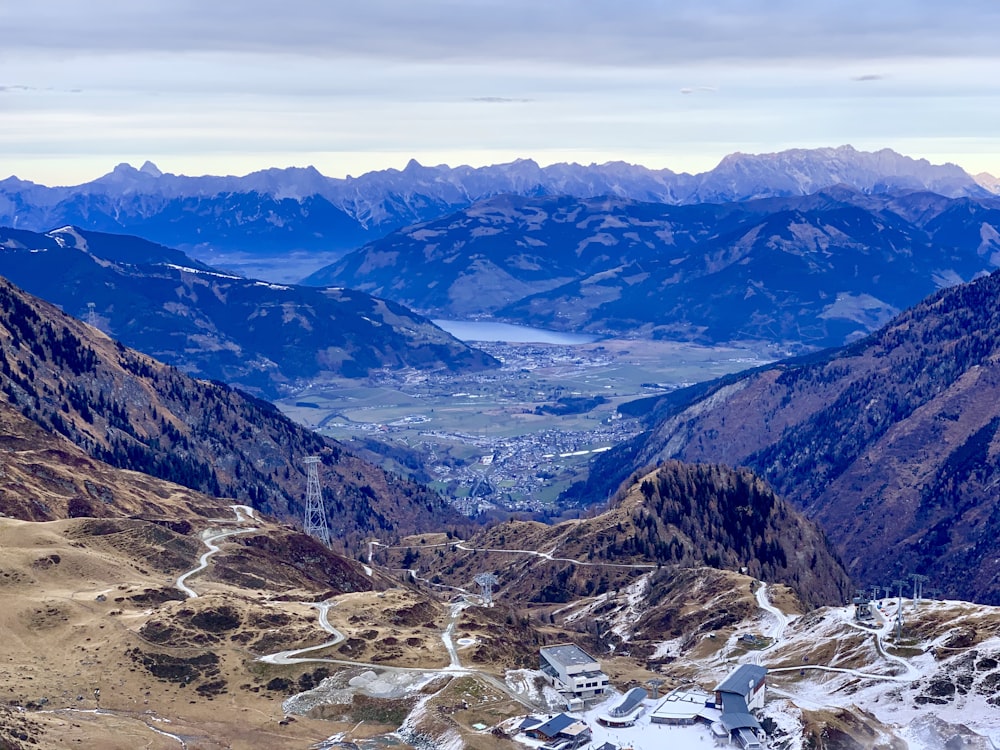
{"x":573,"y":672}
{"x":740,"y":692}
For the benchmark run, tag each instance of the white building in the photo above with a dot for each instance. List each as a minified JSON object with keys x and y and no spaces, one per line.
{"x":573,"y":671}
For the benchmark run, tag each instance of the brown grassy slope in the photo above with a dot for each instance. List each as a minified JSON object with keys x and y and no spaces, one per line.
{"x":90,"y":604}
{"x":133,"y":412}
{"x":44,"y":477}
{"x":678,"y":515}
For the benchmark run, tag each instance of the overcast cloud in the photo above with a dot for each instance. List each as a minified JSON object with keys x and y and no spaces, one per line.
{"x":350,"y":86}
{"x":633,"y":32}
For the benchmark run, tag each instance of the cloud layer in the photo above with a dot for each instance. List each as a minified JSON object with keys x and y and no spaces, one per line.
{"x":632,"y":32}
{"x":238,"y":85}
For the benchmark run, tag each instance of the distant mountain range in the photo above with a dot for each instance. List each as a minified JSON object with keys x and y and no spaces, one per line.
{"x":275,"y":211}
{"x":811,"y":271}
{"x":258,"y":335}
{"x":891,"y":443}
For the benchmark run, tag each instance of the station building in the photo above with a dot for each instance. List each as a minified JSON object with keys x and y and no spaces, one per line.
{"x":573,"y":672}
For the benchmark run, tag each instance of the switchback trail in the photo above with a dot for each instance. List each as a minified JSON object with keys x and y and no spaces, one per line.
{"x":243,"y":514}
{"x":292,"y":656}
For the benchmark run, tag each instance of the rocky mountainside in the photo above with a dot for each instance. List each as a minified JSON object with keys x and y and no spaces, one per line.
{"x":257,"y":335}
{"x":132,"y":412}
{"x":276,"y":211}
{"x":676,"y":516}
{"x":890,"y":444}
{"x":803,"y":271}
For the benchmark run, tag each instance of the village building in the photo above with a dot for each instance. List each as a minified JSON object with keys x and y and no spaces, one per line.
{"x":573,"y":672}
{"x":561,"y":730}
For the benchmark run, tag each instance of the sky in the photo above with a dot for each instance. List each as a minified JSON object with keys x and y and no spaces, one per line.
{"x":232,"y":86}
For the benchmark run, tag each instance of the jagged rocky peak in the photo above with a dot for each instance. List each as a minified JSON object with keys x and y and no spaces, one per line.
{"x":151,"y":169}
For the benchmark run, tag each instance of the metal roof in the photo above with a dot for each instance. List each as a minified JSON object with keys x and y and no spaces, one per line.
{"x":554,"y":725}
{"x":739,"y":681}
{"x":739,"y":721}
{"x":629,"y":702}
{"x":735,"y":714}
{"x":569,"y":655}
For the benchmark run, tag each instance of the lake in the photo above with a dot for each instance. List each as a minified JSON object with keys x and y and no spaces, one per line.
{"x":485,"y":330}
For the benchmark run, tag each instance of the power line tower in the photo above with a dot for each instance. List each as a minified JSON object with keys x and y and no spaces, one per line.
{"x":315,"y":519}
{"x":91,"y":318}
{"x":486,"y":583}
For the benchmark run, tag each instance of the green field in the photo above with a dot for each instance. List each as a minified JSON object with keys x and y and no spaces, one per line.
{"x":450,"y":422}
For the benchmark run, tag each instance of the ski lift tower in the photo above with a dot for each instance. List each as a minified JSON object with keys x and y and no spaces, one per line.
{"x":315,"y":524}
{"x":486,"y":583}
{"x":899,"y":607}
{"x":918,"y":587}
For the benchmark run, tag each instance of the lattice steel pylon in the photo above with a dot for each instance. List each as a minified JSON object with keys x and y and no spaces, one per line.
{"x":486,"y":583}
{"x":315,"y":519}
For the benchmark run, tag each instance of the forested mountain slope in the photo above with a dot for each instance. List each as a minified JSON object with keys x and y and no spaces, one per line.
{"x":133,"y":412}
{"x":216,"y":325}
{"x":675,"y":516}
{"x":800,"y":272}
{"x":892,"y":444}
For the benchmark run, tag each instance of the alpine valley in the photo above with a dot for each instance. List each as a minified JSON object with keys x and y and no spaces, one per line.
{"x":158,"y":588}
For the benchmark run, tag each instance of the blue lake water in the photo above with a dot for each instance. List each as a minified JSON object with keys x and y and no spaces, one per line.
{"x":485,"y":330}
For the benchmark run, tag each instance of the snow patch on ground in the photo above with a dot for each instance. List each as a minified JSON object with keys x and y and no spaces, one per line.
{"x":667,"y":649}
{"x":531,"y":685}
{"x":635,"y":599}
{"x":788,"y":720}
{"x":410,"y":731}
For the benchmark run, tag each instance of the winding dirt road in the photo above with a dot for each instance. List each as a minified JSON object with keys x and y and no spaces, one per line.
{"x":243,"y":514}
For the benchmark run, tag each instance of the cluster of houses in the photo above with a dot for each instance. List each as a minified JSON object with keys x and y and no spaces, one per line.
{"x":577,"y":676}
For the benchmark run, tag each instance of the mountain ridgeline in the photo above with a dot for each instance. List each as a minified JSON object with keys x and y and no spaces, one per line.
{"x":891,"y":444}
{"x":132,"y":412}
{"x":675,"y":516}
{"x":260,"y":336}
{"x":275,"y":211}
{"x":799,"y":272}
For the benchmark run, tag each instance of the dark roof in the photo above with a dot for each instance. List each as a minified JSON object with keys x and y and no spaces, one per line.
{"x":739,"y":681}
{"x":554,"y":725}
{"x":735,"y":714}
{"x":632,"y":700}
{"x":608,"y":746}
{"x":739,"y":721}
{"x":528,"y":723}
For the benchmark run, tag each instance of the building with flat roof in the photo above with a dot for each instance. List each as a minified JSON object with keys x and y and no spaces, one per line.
{"x":573,"y":672}
{"x":681,"y":707}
